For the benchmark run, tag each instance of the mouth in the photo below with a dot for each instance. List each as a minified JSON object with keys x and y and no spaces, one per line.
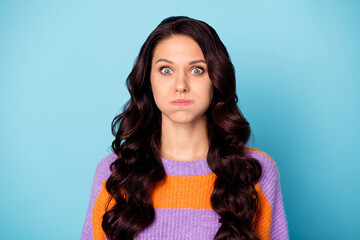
{"x":182,"y":102}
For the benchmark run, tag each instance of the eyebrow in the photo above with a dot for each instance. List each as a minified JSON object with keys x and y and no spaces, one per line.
{"x":190,"y":63}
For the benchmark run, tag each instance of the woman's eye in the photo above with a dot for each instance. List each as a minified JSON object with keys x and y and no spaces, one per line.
{"x":197,"y":70}
{"x":166,"y":70}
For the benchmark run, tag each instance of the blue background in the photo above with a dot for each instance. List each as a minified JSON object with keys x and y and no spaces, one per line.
{"x":63,"y":67}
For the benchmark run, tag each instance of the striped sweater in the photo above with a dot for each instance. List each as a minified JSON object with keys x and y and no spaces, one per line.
{"x":182,"y":203}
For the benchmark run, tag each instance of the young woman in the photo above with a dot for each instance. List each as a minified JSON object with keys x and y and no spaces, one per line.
{"x":180,"y":168}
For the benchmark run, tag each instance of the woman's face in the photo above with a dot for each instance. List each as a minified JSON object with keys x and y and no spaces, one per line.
{"x":179,"y":72}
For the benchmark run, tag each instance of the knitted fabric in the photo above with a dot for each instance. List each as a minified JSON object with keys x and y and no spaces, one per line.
{"x":182,"y":203}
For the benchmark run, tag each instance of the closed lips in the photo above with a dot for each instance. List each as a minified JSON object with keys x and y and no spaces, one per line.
{"x":182,"y":101}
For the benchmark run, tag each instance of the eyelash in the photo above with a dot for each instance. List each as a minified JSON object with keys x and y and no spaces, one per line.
{"x":195,"y":67}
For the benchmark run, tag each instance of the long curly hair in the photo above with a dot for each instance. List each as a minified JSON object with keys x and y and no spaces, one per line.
{"x":137,"y":129}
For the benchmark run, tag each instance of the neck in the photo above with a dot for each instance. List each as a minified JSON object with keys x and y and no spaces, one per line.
{"x":184,"y":141}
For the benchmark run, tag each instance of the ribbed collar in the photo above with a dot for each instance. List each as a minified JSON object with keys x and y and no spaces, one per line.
{"x":186,"y":168}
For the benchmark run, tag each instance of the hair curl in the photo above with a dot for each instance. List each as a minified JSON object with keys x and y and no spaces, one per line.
{"x":137,"y":141}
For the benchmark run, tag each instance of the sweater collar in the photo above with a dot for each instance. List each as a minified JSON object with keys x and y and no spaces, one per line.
{"x":186,"y":168}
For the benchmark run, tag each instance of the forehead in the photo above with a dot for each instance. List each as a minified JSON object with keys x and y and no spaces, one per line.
{"x":178,"y":47}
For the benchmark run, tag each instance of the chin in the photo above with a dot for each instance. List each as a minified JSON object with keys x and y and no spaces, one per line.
{"x":183,"y":118}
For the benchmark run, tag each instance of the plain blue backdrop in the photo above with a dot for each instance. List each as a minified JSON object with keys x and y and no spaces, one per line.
{"x":63,"y":66}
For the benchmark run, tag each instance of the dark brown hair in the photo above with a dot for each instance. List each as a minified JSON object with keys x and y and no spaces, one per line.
{"x":137,"y":140}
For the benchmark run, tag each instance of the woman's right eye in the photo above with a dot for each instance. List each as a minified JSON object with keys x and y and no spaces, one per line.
{"x":166,"y":70}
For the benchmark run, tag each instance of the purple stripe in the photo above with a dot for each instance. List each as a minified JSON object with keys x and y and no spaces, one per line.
{"x":186,"y":168}
{"x":279,"y":228}
{"x":182,"y":224}
{"x":102,"y":173}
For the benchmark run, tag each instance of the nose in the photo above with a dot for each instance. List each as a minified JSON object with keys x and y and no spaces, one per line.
{"x":182,"y":83}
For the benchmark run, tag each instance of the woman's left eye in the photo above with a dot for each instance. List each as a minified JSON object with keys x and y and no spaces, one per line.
{"x":197,"y":70}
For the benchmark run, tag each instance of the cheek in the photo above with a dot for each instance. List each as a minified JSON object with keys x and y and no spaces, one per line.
{"x":210,"y":95}
{"x":157,"y":89}
{"x":158,"y":94}
{"x":208,"y":90}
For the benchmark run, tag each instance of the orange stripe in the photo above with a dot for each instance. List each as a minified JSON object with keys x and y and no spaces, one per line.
{"x":258,"y":151}
{"x":185,"y":192}
{"x":263,"y":216}
{"x":99,"y":210}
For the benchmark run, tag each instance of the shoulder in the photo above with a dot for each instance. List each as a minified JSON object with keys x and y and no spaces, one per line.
{"x":102,"y":171}
{"x":270,"y":173}
{"x":264,"y":159}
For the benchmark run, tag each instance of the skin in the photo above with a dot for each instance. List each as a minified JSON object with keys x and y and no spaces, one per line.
{"x":179,"y":71}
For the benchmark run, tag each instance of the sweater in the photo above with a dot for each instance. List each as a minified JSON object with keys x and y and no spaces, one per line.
{"x":182,"y":204}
